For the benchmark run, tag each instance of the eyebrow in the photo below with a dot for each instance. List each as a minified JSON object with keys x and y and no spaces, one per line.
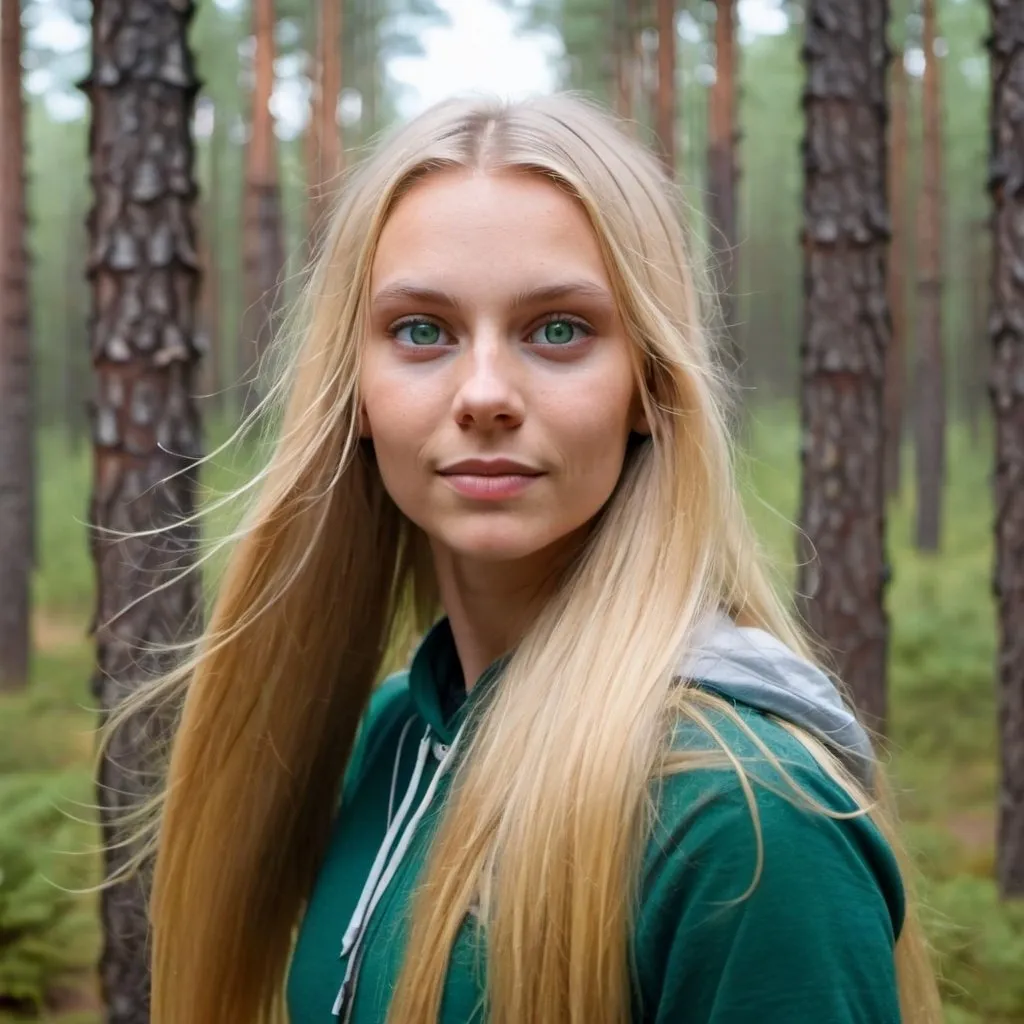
{"x":401,"y":291}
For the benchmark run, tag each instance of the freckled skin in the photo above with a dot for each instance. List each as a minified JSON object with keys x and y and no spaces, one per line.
{"x":479,"y":374}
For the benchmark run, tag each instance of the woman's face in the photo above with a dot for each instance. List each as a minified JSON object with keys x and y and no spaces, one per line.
{"x":497,"y":384}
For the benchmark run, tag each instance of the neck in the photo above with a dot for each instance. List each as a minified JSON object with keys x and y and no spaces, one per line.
{"x":490,"y":605}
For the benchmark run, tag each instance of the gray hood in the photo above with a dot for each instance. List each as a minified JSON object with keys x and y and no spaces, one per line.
{"x":751,"y":666}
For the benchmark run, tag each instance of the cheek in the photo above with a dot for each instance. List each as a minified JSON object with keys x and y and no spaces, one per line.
{"x":592,"y":433}
{"x":394,"y":426}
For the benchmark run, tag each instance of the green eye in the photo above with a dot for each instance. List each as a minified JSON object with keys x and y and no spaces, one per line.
{"x":558,"y":332}
{"x":420,"y":332}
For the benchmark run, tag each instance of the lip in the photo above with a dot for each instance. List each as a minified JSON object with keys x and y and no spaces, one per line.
{"x":489,"y":467}
{"x":489,"y":479}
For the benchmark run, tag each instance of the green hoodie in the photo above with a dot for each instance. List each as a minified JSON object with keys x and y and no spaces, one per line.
{"x":813,"y":942}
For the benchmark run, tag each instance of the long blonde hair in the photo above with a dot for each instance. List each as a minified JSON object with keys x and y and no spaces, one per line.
{"x":326,"y":577}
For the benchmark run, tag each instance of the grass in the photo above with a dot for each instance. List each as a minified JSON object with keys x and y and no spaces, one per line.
{"x":942,"y":696}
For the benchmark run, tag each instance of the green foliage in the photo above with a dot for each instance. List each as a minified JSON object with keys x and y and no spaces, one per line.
{"x":45,"y":932}
{"x":979,"y":947}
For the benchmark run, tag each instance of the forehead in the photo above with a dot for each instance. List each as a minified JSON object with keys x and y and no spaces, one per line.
{"x":458,"y":223}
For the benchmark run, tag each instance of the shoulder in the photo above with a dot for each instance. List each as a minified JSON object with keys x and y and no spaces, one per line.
{"x":805,"y":820}
{"x":744,"y":878}
{"x":387,"y":708}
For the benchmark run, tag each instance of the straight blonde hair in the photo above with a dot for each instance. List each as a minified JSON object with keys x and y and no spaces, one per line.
{"x":326,"y":578}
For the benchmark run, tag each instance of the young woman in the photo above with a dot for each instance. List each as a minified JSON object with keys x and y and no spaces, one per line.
{"x":611,"y":785}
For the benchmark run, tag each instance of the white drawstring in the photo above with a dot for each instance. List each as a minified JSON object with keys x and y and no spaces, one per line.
{"x":356,"y":922}
{"x":384,"y":867}
{"x":394,"y":770}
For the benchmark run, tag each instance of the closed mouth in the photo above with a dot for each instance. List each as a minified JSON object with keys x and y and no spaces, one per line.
{"x":489,"y":467}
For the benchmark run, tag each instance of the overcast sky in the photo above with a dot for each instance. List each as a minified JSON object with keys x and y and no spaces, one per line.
{"x":481,"y":51}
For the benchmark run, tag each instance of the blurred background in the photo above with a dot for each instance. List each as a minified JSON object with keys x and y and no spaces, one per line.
{"x":290,"y":93}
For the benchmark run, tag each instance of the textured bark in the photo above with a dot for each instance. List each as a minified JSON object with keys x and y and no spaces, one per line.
{"x":665,"y":118}
{"x":722,"y":168}
{"x":930,"y":369}
{"x":845,"y":336}
{"x":213,"y":363}
{"x":262,"y":228}
{"x":1006,"y":325}
{"x":896,"y":369}
{"x":144,"y":272}
{"x":16,"y":437}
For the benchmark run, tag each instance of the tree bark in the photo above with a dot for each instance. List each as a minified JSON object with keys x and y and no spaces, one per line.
{"x":325,"y":152}
{"x":977,"y":359}
{"x":844,"y":341}
{"x":210,"y":263}
{"x":666,"y":101}
{"x":262,"y":229}
{"x":642,"y":76}
{"x":896,"y":357}
{"x":75,"y":362}
{"x":722,"y":167}
{"x":311,"y":136}
{"x":930,"y":372}
{"x":144,"y":273}
{"x":1006,"y":326}
{"x":17,"y":533}
{"x":331,"y":148}
{"x":622,"y":58}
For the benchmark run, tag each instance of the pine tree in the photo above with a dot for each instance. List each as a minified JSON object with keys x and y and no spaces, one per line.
{"x":16,"y":435}
{"x":930,"y":362}
{"x":1006,"y":326}
{"x":263,"y":230}
{"x":845,"y":337}
{"x":144,"y":272}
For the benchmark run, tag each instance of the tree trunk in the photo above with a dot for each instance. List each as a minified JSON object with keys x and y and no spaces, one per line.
{"x":643,"y":89}
{"x":622,"y":58}
{"x":370,"y":70}
{"x":211,"y":270}
{"x":844,"y":340}
{"x":722,"y":168}
{"x":1006,"y":323}
{"x":16,"y":434}
{"x":311,"y":136}
{"x":666,"y":104}
{"x":144,"y":272}
{"x":262,"y":229}
{"x":76,"y":345}
{"x":930,"y":372}
{"x":977,"y":361}
{"x":896,"y":357}
{"x":331,"y":148}
{"x":325,"y":151}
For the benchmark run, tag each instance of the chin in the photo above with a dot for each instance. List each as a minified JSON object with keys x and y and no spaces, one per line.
{"x":494,"y":543}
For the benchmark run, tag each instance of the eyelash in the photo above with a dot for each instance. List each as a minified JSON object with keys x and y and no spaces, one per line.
{"x":568,"y":318}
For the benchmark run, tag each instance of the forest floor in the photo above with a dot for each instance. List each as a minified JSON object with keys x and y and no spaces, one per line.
{"x":943,"y":741}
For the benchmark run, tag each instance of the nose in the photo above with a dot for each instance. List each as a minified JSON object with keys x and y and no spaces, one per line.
{"x":489,"y":394}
